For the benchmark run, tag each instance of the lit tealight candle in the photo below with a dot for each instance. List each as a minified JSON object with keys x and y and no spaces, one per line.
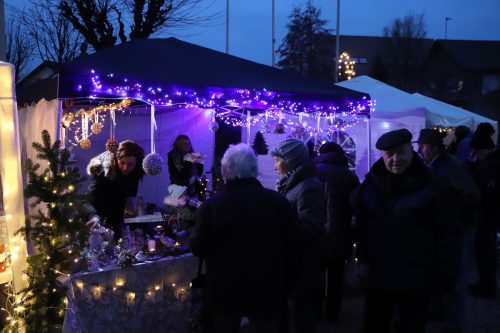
{"x":151,"y":245}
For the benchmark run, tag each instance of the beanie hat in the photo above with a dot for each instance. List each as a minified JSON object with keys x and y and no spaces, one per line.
{"x":293,"y":151}
{"x":331,"y":147}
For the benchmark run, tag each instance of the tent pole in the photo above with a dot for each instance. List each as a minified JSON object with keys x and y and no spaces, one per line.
{"x":369,"y":129}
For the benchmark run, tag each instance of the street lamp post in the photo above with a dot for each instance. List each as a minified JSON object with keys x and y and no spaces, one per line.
{"x":337,"y":45}
{"x":273,"y":59}
{"x":446,"y":26}
{"x":227,"y":26}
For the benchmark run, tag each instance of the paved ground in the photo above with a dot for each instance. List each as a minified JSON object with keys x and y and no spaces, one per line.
{"x":483,"y":315}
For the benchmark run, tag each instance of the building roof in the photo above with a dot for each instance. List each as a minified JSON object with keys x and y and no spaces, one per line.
{"x":478,"y":55}
{"x":365,"y":50}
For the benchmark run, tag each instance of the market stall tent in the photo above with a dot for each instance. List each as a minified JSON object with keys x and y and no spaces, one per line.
{"x":447,"y":115}
{"x":396,"y":109}
{"x":12,"y":215}
{"x":189,"y":86}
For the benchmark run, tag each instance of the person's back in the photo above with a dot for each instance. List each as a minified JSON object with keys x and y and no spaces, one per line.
{"x":247,"y":258}
{"x":247,"y":235}
{"x":338,"y":181}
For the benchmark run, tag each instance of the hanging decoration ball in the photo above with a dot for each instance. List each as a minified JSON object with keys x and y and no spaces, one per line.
{"x":213,"y":126}
{"x":96,"y":128}
{"x":85,"y":144}
{"x":66,"y":120}
{"x":266,"y":127}
{"x":299,"y":131}
{"x":112,"y":145}
{"x":279,"y":129}
{"x":152,"y":164}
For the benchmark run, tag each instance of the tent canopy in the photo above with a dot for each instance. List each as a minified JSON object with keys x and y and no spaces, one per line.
{"x":169,"y":65}
{"x":392,"y":103}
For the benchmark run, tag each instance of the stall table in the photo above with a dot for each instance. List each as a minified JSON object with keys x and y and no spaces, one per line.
{"x":146,"y":297}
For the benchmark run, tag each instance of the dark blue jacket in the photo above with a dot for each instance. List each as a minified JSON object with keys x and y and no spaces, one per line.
{"x":247,"y":235}
{"x":338,"y":182}
{"x":410,"y":235}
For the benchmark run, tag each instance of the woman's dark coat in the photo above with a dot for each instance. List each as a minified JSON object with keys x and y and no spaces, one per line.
{"x":339,"y":182}
{"x":108,"y":191}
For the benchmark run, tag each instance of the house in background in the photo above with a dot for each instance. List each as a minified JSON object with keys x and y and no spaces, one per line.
{"x":464,"y":73}
{"x":393,"y":61}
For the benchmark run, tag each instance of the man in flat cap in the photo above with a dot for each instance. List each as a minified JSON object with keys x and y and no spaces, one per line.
{"x":409,"y":236}
{"x":487,"y":176}
{"x":432,"y":151}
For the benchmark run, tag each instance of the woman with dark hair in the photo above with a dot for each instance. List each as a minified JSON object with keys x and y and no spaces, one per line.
{"x":115,"y":180}
{"x":184,"y":165}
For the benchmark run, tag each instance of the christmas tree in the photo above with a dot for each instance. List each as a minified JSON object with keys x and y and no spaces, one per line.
{"x":57,"y":233}
{"x":259,"y":144}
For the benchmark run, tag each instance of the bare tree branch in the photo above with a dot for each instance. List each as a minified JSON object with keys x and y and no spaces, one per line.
{"x":91,"y":18}
{"x":54,"y":37}
{"x":19,"y":45}
{"x":407,"y":34}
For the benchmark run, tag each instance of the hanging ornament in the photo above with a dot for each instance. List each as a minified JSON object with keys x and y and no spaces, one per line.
{"x":96,"y":128}
{"x":213,"y":126}
{"x":66,"y":120}
{"x":299,"y":131}
{"x":279,"y":129}
{"x":112,"y":145}
{"x":152,"y":164}
{"x":85,"y":144}
{"x":266,"y":127}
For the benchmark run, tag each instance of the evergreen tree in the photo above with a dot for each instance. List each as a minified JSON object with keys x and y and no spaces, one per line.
{"x":304,"y":49}
{"x":259,"y":144}
{"x":57,"y":234}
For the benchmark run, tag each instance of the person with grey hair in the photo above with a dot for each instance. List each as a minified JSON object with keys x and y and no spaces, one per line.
{"x":247,"y":235}
{"x":300,"y":185}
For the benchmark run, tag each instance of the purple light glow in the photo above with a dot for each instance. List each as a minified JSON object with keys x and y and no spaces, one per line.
{"x":239,"y":98}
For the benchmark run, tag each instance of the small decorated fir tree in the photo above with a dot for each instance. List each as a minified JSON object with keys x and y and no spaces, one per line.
{"x":259,"y":144}
{"x":56,"y":231}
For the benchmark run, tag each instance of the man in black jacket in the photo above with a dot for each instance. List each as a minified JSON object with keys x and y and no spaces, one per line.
{"x":333,"y":172}
{"x":487,"y":176}
{"x":410,"y":236}
{"x":431,"y":148}
{"x":247,"y":235}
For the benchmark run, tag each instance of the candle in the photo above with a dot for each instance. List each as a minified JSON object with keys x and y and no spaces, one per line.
{"x":151,"y":245}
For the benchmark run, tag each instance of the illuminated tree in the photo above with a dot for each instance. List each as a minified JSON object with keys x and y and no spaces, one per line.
{"x":57,"y":233}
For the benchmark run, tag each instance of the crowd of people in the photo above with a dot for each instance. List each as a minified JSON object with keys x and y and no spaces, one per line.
{"x":421,"y":222}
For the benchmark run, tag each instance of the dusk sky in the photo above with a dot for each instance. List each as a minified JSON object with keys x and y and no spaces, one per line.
{"x":250,"y":21}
